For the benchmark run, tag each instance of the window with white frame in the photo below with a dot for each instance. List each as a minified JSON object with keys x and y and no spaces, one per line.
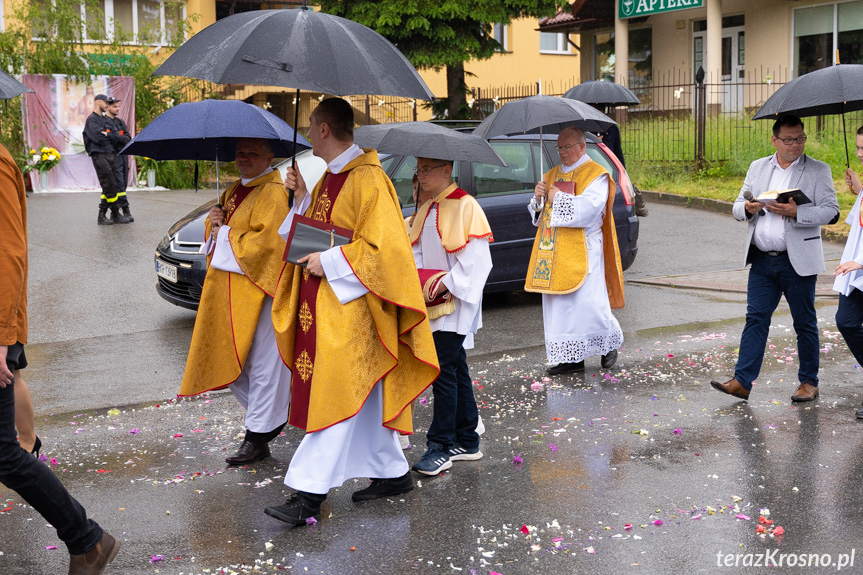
{"x":819,"y":31}
{"x":500,"y":32}
{"x":551,"y":43}
{"x":153,"y":22}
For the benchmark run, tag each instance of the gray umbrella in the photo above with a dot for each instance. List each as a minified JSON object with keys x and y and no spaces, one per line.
{"x":10,"y":87}
{"x":299,"y":49}
{"x":831,"y":90}
{"x":549,"y":114}
{"x":602,"y":94}
{"x":426,"y":140}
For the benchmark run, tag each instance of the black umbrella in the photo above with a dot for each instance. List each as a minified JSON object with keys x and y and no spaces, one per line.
{"x":832,"y":90}
{"x":602,"y":94}
{"x":427,"y":140}
{"x":540,"y":113}
{"x":300,"y":49}
{"x":209,"y":130}
{"x":10,"y":87}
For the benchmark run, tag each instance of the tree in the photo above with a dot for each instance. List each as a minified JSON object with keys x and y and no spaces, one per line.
{"x":433,"y":34}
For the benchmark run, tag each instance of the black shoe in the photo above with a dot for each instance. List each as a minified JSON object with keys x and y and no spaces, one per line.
{"x":37,"y":447}
{"x":298,"y":509}
{"x":562,"y":368}
{"x":119,"y":218}
{"x":103,"y":218}
{"x":609,"y":359}
{"x":859,"y":414}
{"x":385,"y":488}
{"x":127,"y":213}
{"x":249,"y":452}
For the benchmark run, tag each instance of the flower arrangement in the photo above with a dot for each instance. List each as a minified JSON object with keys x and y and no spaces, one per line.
{"x":42,"y":160}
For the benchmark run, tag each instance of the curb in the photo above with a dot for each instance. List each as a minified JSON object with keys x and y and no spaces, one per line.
{"x":719,"y":207}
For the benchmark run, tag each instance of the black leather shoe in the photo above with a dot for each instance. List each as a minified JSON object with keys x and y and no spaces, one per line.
{"x":609,"y":359}
{"x":298,"y":509}
{"x":385,"y":488}
{"x":249,"y":452}
{"x":859,"y":414}
{"x":562,"y":368}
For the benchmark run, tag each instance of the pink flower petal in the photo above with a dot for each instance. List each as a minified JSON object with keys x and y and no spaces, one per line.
{"x":552,"y":446}
{"x":311,"y":521}
{"x":742,"y":517}
{"x":50,"y":547}
{"x":659,"y":522}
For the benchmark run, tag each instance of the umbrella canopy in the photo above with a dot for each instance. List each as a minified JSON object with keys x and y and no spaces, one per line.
{"x":10,"y":87}
{"x":209,"y":130}
{"x":299,"y":49}
{"x":832,"y":90}
{"x":427,"y":140}
{"x":550,"y":114}
{"x":602,"y":94}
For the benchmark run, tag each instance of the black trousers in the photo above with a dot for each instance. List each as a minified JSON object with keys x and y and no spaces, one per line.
{"x":121,"y":173}
{"x":104,"y":165}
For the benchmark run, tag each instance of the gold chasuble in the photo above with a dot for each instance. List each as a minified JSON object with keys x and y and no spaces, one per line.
{"x":230,"y":302}
{"x":337,"y":352}
{"x":459,"y":218}
{"x":558,"y":262}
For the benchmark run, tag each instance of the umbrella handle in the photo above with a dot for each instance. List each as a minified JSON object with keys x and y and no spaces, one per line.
{"x":294,"y":161}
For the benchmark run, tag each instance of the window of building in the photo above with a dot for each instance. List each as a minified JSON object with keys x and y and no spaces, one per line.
{"x":550,"y":43}
{"x":640,"y":59}
{"x":821,"y":30}
{"x":136,"y":21}
{"x":500,"y":32}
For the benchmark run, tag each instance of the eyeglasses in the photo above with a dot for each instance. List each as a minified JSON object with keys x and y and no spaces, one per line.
{"x":567,"y":147}
{"x":789,"y":141}
{"x":425,"y":171}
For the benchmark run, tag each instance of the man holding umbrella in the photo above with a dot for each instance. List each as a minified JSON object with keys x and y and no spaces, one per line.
{"x":784,"y":248}
{"x":575,"y":261}
{"x":234,"y":343}
{"x":450,"y":238}
{"x":352,"y":326}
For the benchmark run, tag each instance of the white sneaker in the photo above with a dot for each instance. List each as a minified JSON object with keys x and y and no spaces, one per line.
{"x":480,"y":428}
{"x":405,"y":441}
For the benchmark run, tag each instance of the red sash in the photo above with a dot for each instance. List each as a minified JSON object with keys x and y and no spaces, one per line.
{"x":306,"y":339}
{"x":239,"y":194}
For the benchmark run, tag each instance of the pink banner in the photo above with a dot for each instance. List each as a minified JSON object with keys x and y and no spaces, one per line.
{"x":54,"y":115}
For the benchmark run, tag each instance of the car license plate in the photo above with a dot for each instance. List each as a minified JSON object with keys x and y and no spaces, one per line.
{"x":166,"y":271}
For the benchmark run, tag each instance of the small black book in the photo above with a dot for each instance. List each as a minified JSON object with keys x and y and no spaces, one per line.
{"x":782,"y":197}
{"x":309,"y":236}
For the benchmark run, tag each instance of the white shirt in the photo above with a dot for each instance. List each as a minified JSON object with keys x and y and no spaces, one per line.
{"x":853,"y":251}
{"x":770,"y":228}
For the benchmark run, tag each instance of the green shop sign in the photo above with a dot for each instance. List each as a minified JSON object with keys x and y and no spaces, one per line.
{"x":637,"y":8}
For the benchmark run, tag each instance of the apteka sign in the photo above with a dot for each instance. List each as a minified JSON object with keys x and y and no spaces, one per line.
{"x":637,"y":8}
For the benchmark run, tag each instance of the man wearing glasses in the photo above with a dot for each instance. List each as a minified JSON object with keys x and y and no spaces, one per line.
{"x":575,"y":262}
{"x":784,"y":248}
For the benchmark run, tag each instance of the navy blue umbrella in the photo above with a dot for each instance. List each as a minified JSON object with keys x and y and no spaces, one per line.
{"x":209,"y":130}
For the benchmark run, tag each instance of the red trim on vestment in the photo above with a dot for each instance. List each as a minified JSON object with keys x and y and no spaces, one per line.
{"x":456,"y":194}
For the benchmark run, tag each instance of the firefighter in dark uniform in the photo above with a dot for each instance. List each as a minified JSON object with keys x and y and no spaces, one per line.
{"x":119,"y":137}
{"x":101,"y":151}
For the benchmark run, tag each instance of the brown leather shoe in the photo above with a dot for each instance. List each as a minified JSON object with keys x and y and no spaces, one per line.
{"x":731,"y":387}
{"x":806,"y":392}
{"x":93,"y":562}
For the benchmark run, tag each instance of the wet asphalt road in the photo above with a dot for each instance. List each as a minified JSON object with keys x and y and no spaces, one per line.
{"x":569,"y":462}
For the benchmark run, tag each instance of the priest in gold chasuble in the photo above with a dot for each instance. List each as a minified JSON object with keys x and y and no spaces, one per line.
{"x":351,"y":326}
{"x":234,"y":343}
{"x":575,"y":262}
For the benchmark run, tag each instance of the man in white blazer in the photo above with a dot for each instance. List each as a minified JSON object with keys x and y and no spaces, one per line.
{"x":784,"y":248}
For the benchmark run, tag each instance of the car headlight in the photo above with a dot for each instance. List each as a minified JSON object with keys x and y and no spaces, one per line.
{"x":165,"y":244}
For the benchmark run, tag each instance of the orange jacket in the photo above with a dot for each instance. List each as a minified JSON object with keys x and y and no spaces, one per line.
{"x":13,"y":252}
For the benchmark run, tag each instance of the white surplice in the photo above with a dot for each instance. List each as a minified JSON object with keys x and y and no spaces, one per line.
{"x":264,"y":385}
{"x":359,"y":446}
{"x":580,"y":324}
{"x":853,"y":251}
{"x":467,"y":270}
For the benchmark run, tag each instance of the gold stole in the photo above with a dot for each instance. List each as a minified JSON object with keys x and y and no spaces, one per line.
{"x":558,"y":262}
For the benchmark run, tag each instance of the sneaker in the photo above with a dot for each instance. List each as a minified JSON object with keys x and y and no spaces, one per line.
{"x":385,"y":488}
{"x":297,"y":510}
{"x":459,"y":453}
{"x":480,"y":427}
{"x":434,"y":461}
{"x":405,"y":441}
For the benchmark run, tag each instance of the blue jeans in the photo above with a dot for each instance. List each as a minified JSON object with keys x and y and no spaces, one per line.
{"x":769,"y":278}
{"x":35,"y":482}
{"x":455,"y":414}
{"x":849,"y":320}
